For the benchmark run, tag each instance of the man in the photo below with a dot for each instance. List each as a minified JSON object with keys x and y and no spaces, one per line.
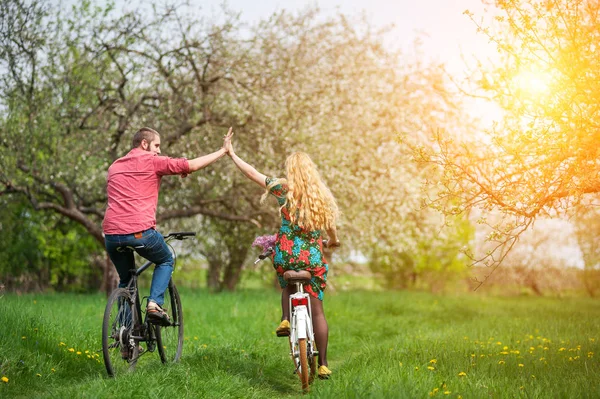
{"x":133,"y":183}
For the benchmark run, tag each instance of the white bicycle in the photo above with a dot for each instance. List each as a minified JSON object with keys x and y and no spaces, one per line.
{"x":303,"y":348}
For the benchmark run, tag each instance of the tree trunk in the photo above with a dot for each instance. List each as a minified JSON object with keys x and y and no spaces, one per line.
{"x":234,"y":268}
{"x":213,"y":281}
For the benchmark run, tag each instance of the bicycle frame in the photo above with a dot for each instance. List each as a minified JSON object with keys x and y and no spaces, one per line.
{"x":301,"y":313}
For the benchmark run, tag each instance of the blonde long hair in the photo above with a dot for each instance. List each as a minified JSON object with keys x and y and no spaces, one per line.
{"x":310,"y":203}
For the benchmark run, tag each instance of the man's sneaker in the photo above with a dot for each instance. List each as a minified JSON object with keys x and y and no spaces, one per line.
{"x":284,"y":329}
{"x":157,"y":315}
{"x":324,"y":372}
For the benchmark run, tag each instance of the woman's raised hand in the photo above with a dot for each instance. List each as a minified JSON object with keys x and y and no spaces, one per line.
{"x":227,"y":145}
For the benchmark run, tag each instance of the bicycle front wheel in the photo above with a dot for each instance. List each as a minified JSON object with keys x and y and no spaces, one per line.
{"x":169,"y":338}
{"x":118,"y":346}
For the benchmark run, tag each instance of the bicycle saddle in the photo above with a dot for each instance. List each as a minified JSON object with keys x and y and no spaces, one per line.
{"x":297,"y":276}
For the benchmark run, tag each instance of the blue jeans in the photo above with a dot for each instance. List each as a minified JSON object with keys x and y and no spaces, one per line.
{"x":154,"y":248}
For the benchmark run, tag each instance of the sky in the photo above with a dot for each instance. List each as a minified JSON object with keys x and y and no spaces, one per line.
{"x":444,"y":30}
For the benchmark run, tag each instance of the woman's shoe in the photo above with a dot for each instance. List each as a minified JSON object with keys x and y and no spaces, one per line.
{"x":284,"y":329}
{"x":324,"y":372}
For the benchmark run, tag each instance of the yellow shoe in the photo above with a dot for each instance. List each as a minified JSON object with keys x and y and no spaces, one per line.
{"x":284,"y":329}
{"x":324,"y":372}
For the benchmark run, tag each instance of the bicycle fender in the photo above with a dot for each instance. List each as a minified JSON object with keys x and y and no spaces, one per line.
{"x":301,"y":320}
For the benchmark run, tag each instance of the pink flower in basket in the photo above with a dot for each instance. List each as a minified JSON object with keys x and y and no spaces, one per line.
{"x":266,"y":241}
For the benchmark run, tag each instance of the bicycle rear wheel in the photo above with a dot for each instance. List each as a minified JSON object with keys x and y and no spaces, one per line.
{"x":303,"y":372}
{"x":119,"y":349}
{"x":169,"y":338}
{"x":312,"y":361}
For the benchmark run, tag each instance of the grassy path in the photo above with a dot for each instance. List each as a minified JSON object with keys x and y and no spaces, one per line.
{"x":382,"y":345}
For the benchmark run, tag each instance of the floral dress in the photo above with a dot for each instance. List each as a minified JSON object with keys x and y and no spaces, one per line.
{"x":298,"y":249}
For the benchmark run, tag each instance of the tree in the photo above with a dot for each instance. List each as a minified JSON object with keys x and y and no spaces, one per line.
{"x":541,"y":159}
{"x":80,"y":83}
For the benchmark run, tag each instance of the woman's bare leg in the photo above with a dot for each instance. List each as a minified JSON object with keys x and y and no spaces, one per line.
{"x":285,"y":302}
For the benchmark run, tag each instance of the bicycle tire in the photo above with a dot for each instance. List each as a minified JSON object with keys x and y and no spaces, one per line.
{"x":120,"y":317}
{"x":303,"y":372}
{"x":312,"y":362}
{"x":169,"y":339}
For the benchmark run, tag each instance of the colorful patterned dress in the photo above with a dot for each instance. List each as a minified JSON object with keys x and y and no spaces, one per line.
{"x":298,"y":249}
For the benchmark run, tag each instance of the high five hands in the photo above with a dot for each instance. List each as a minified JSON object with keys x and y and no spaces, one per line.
{"x":227,"y":142}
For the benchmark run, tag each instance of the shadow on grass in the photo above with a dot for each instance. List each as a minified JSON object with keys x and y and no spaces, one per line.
{"x":256,"y":369}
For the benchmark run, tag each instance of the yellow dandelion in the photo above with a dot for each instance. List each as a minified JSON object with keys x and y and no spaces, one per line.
{"x":570,"y":359}
{"x":447,"y":392}
{"x":590,"y":354}
{"x":562,"y":349}
{"x":498,"y":343}
{"x":481,"y":355}
{"x":542,"y":359}
{"x":473,"y":355}
{"x":89,"y":357}
{"x":62,"y":344}
{"x":531,"y":348}
{"x":204,"y":346}
{"x":462,"y":374}
{"x":505,"y":348}
{"x":87,"y":352}
{"x":430,"y":368}
{"x":435,"y":390}
{"x":79,"y":352}
{"x":504,"y":353}
{"x":4,"y":379}
{"x":433,"y":361}
{"x":592,"y":339}
{"x":417,"y":368}
{"x":521,"y":365}
{"x":516,"y":352}
{"x":38,"y":375}
{"x":546,"y":348}
{"x":71,"y":350}
{"x":501,"y":362}
{"x":53,"y":370}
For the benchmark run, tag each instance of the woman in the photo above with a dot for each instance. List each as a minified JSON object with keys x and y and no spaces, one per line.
{"x":307,"y":207}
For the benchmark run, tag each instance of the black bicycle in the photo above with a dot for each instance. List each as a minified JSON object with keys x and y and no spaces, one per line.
{"x":126,"y":326}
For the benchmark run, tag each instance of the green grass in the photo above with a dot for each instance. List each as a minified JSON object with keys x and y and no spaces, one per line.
{"x":381,"y":345}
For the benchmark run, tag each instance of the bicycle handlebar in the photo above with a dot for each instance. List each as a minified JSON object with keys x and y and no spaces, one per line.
{"x":180,"y":235}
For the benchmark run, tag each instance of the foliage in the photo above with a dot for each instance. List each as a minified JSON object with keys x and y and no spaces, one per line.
{"x":41,"y":250}
{"x":541,"y":158}
{"x":587,"y":229}
{"x":381,"y":345}
{"x":435,"y":259}
{"x":80,"y":82}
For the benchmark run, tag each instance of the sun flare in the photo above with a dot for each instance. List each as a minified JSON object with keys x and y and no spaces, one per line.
{"x":531,"y":82}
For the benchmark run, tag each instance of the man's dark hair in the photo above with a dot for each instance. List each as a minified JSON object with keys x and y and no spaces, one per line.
{"x":144,"y":133}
